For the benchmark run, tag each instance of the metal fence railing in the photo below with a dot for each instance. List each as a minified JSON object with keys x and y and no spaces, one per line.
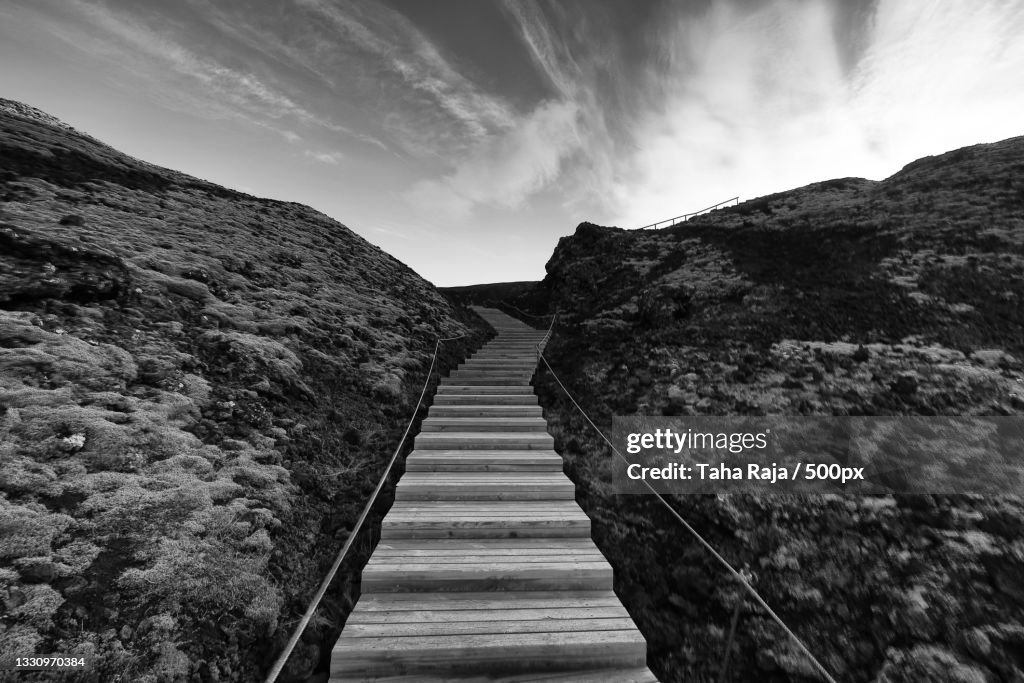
{"x":669,"y":222}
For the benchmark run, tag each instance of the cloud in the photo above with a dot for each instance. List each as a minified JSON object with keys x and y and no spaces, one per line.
{"x":209,"y":88}
{"x":568,"y":141}
{"x":425,"y":87}
{"x":757,"y":99}
{"x":507,"y":171}
{"x":331,"y":158}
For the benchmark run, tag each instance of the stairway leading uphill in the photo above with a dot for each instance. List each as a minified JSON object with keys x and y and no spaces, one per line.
{"x":485,"y":570}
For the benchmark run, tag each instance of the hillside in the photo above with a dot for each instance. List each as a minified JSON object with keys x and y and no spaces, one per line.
{"x":198,"y":391}
{"x":846,"y":297}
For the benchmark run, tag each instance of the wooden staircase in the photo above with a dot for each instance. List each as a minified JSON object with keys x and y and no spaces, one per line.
{"x":485,"y":570}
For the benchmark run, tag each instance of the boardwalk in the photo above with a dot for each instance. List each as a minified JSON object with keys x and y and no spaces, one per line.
{"x":485,"y":570}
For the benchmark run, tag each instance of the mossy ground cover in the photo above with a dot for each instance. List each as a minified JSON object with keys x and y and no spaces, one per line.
{"x":848,"y":297}
{"x":198,"y":391}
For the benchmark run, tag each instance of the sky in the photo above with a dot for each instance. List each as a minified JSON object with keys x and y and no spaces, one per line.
{"x":466,"y":136}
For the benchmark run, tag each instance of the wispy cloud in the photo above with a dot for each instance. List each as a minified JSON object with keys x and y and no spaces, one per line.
{"x":330,"y":158}
{"x":506,"y":171}
{"x":757,"y":99}
{"x":564,"y":140}
{"x":427,"y":88}
{"x":219,"y":90}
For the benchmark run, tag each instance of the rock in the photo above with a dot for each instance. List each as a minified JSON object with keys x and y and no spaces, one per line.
{"x":993,"y":358}
{"x":906,"y":383}
{"x":15,"y":598}
{"x":33,"y":267}
{"x":38,"y":572}
{"x":72,"y":443}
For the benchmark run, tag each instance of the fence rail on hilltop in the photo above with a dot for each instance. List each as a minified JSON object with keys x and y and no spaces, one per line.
{"x":669,"y":222}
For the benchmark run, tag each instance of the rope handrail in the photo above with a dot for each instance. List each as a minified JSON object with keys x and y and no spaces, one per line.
{"x":547,"y":336}
{"x":282,"y":659}
{"x":686,"y":216}
{"x":732,"y":571}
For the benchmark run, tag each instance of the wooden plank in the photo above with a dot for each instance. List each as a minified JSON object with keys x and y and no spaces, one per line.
{"x":457,"y":493}
{"x":484,"y":441}
{"x":500,"y":566}
{"x":482,"y":466}
{"x":456,"y":653}
{"x":468,"y":554}
{"x":501,"y":398}
{"x":506,"y":507}
{"x":490,"y":453}
{"x":486,"y":410}
{"x":513,"y":423}
{"x":399,"y":630}
{"x":458,"y":578}
{"x":514,"y":545}
{"x":510,"y":478}
{"x":504,"y":555}
{"x":486,"y":531}
{"x":492,"y":615}
{"x":631,"y":675}
{"x":389,"y":602}
{"x":484,"y":389}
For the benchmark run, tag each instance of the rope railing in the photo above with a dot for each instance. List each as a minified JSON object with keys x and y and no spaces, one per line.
{"x":669,"y":222}
{"x":547,"y":336}
{"x":738,"y":575}
{"x":282,"y":659}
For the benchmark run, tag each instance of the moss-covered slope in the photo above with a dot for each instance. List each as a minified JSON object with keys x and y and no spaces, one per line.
{"x":198,"y":391}
{"x":847,"y":297}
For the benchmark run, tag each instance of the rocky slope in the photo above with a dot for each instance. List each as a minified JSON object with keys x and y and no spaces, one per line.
{"x":198,"y":391}
{"x":847,"y":297}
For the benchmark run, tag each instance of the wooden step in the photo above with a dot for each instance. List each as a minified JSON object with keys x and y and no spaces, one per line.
{"x":522,"y":355}
{"x":488,"y":381}
{"x":485,"y":440}
{"x":479,"y":389}
{"x":498,"y":652}
{"x":469,"y":399}
{"x":639,"y":674}
{"x":517,"y":369}
{"x":486,"y":410}
{"x":485,"y":519}
{"x":472,"y":376}
{"x":487,"y":486}
{"x":521,"y":572}
{"x":483,"y":461}
{"x":484,"y":424}
{"x":481,"y":546}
